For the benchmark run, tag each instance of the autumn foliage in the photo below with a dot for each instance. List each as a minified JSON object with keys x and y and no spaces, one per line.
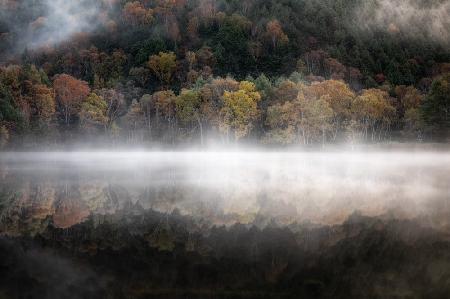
{"x":176,"y":71}
{"x":69,"y":93}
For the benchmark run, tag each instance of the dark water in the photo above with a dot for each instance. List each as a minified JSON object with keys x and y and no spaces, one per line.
{"x":225,"y":225}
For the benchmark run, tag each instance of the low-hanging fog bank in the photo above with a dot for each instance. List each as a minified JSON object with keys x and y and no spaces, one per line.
{"x":230,"y":187}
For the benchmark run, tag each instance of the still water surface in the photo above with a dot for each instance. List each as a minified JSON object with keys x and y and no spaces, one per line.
{"x":225,"y":225}
{"x":225,"y":188}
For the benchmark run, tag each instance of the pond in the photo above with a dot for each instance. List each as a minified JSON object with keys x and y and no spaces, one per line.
{"x":224,"y":224}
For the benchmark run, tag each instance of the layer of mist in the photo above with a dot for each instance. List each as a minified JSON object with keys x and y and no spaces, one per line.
{"x":230,"y":187}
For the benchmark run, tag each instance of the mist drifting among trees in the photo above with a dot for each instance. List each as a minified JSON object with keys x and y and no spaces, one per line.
{"x":51,"y":22}
{"x":62,"y":20}
{"x":418,"y":19}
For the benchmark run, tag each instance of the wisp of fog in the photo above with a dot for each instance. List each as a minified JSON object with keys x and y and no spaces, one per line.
{"x":418,"y":19}
{"x":55,"y":21}
{"x":63,"y":19}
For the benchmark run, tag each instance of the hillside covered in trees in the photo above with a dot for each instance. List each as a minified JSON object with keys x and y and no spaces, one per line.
{"x":289,"y":72}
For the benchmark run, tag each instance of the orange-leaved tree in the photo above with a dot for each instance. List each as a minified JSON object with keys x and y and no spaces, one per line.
{"x":70,"y":93}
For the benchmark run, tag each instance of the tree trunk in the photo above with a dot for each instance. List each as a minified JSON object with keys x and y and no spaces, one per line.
{"x":200,"y":125}
{"x":67,"y":115}
{"x":323,"y":138}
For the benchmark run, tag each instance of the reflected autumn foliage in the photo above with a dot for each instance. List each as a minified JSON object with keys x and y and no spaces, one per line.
{"x":206,"y":224}
{"x":224,"y":189}
{"x":70,"y":211}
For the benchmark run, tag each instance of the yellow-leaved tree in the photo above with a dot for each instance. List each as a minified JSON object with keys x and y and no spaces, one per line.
{"x":339,"y":97}
{"x":163,"y":65}
{"x":188,"y":106}
{"x":240,"y":110}
{"x":304,"y":120}
{"x":373,"y":113}
{"x":93,"y":114}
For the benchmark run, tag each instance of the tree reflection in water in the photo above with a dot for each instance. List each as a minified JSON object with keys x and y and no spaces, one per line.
{"x":225,"y":225}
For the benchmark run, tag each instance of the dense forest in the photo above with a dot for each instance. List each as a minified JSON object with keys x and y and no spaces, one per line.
{"x":289,"y":72}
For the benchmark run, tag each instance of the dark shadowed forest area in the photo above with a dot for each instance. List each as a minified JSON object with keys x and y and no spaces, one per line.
{"x":104,"y":258}
{"x":169,"y":72}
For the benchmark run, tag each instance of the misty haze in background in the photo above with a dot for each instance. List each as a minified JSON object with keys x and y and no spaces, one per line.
{"x":55,"y":22}
{"x":64,"y":18}
{"x":419,"y":19}
{"x":59,"y":20}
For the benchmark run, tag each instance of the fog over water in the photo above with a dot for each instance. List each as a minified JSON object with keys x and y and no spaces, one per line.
{"x":239,"y":224}
{"x":230,"y":187}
